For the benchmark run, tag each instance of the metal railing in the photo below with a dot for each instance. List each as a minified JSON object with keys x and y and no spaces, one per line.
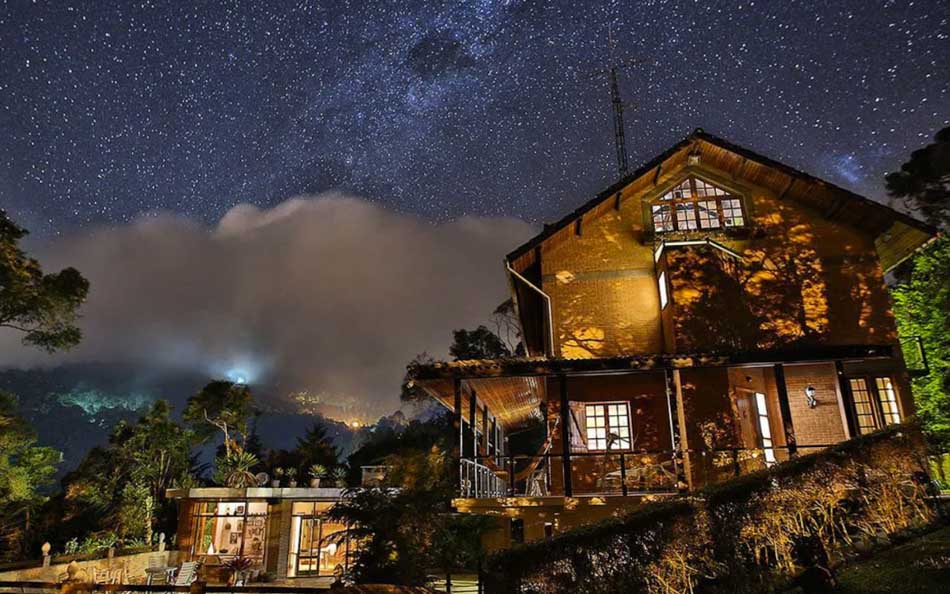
{"x":613,"y":473}
{"x":478,"y":480}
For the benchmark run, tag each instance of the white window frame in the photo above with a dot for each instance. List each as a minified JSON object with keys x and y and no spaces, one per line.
{"x":664,"y":294}
{"x":604,"y":408}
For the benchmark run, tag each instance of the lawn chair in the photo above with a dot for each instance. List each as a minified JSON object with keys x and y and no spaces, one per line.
{"x":186,"y":574}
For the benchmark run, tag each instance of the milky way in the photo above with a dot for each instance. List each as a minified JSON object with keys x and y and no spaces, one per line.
{"x":113,"y":109}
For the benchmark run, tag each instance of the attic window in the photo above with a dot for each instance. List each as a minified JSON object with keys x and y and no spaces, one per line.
{"x":695,"y":204}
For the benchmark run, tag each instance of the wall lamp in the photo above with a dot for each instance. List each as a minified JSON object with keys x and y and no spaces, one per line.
{"x":810,"y":396}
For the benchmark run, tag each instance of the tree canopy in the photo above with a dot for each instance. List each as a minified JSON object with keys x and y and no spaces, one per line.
{"x":42,"y":306}
{"x":924,"y":180}
{"x":25,"y":468}
{"x":480,"y":343}
{"x":922,"y":308}
{"x":221,"y":406}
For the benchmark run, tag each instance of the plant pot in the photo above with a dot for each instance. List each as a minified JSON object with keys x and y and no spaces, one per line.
{"x":315,"y":483}
{"x":275,"y":483}
{"x":292,"y":484}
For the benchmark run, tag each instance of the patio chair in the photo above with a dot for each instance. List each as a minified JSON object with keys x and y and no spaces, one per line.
{"x":186,"y":574}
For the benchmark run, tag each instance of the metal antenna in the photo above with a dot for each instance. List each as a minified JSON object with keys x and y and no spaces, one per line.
{"x":612,"y":70}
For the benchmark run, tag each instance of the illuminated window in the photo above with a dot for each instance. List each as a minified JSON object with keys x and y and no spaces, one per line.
{"x":662,"y":221}
{"x":661,"y":282}
{"x":608,"y":426}
{"x":708,"y":214}
{"x":228,"y":529}
{"x":864,"y":409}
{"x":696,"y":204}
{"x":732,"y":213}
{"x":765,"y":430}
{"x":318,"y":546}
{"x":885,"y":391}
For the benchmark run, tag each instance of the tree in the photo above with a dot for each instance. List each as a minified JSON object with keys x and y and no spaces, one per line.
{"x":25,"y":468}
{"x":508,"y":327}
{"x":221,"y":406}
{"x":924,"y":181}
{"x":922,"y":308}
{"x":315,"y":448}
{"x":480,"y":343}
{"x":130,"y":475}
{"x":409,"y":529}
{"x":43,"y":307}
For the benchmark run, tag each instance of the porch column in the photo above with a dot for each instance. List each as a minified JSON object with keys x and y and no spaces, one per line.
{"x":457,"y":418}
{"x":566,"y":438}
{"x":845,"y":386}
{"x":677,"y":415}
{"x":472,"y":421}
{"x":785,"y":409}
{"x":459,"y":433}
{"x":485,"y":430}
{"x":494,"y":439}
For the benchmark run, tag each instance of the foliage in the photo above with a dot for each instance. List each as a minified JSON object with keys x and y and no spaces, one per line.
{"x":922,"y":308}
{"x":317,"y":471}
{"x":221,"y":406}
{"x":339,"y":477}
{"x":25,"y":468}
{"x":134,"y":513}
{"x":924,"y":180}
{"x":750,"y":534}
{"x":235,"y":470}
{"x":130,"y":475}
{"x":42,"y":306}
{"x":93,"y":543}
{"x":480,"y":343}
{"x":387,"y":441}
{"x":404,"y":531}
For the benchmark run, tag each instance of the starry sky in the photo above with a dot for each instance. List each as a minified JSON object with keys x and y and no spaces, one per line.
{"x":112,"y":109}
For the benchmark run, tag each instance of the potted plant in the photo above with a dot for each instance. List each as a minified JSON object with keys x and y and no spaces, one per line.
{"x":339,"y":478}
{"x":317,"y":472}
{"x":278,"y":474}
{"x":291,"y":477}
{"x":238,"y":566}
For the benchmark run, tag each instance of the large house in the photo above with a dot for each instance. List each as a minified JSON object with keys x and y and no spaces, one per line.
{"x":713,"y":313}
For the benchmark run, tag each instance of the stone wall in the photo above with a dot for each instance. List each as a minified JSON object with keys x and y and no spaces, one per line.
{"x":134,"y":566}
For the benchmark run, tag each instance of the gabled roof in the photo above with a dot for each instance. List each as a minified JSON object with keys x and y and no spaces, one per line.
{"x":902,"y":234}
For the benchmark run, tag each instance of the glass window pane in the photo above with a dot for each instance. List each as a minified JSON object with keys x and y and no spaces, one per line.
{"x":885,"y":389}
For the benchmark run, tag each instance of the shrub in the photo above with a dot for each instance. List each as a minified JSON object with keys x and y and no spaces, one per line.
{"x":748,"y":534}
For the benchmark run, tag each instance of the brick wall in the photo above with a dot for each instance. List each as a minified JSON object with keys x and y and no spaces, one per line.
{"x":804,"y":274}
{"x":822,"y":424}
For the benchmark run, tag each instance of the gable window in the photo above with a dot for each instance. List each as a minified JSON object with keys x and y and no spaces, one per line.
{"x":696,"y":204}
{"x":608,"y":426}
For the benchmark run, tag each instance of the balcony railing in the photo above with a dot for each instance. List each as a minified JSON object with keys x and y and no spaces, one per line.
{"x":478,"y":480}
{"x":613,"y":473}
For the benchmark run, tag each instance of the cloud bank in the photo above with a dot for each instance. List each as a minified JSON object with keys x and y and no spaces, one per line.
{"x":328,"y":294}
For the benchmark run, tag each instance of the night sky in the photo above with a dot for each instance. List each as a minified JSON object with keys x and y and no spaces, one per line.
{"x":109,"y":110}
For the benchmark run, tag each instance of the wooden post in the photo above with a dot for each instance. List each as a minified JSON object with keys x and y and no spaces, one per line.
{"x":677,"y":414}
{"x":623,"y":475}
{"x":496,"y":446}
{"x":566,"y":438}
{"x":785,"y":409}
{"x":457,"y":427}
{"x":485,"y":430}
{"x":473,"y":422}
{"x":845,"y":386}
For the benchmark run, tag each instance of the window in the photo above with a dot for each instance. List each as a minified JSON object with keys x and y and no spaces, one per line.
{"x":885,"y":391}
{"x":314,"y":548}
{"x":661,"y":283}
{"x":864,"y":409}
{"x":696,"y":204}
{"x":227,"y":529}
{"x":732,"y":213}
{"x":608,"y":426}
{"x":708,"y":214}
{"x":875,"y":402}
{"x":765,"y":430}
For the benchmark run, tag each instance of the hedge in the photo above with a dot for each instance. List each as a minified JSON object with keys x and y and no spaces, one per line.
{"x":749,"y":534}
